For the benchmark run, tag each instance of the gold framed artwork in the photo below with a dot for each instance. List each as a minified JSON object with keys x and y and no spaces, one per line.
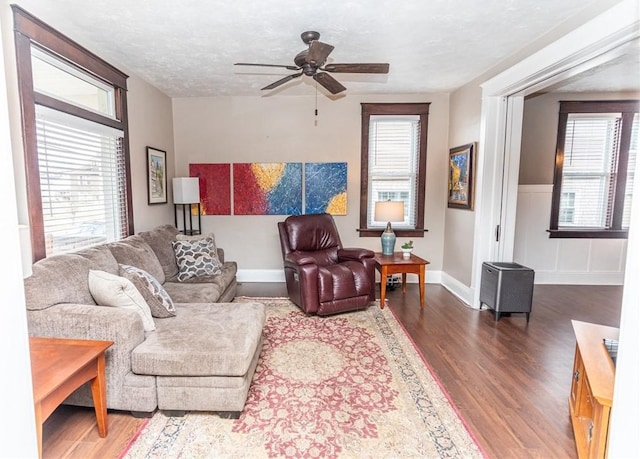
{"x":156,"y":176}
{"x":461,"y":171}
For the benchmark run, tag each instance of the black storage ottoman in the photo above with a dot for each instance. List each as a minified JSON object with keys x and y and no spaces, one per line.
{"x":506,"y":288}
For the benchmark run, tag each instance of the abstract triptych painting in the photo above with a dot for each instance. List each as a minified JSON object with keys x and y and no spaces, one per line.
{"x":267,"y":188}
{"x":272,"y":188}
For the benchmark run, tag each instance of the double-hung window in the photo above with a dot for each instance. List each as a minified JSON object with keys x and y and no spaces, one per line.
{"x":75,"y":140}
{"x":394,"y":151}
{"x":595,"y":161}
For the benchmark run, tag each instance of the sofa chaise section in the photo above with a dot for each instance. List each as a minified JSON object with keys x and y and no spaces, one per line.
{"x":203,"y":358}
{"x":203,"y":371}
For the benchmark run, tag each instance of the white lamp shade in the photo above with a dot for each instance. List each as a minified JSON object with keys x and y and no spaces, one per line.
{"x":186,"y":190}
{"x":389,"y":211}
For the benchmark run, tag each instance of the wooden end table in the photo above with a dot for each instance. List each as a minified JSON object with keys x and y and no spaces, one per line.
{"x":59,"y":367}
{"x":396,"y":264}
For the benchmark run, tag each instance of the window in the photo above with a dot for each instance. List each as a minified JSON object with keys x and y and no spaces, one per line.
{"x":81,"y":164}
{"x":568,"y":209}
{"x":393,"y":164}
{"x":595,"y":159}
{"x":75,"y":141}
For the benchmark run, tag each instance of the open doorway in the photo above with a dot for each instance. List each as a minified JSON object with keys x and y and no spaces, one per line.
{"x":605,"y":38}
{"x":586,"y":48}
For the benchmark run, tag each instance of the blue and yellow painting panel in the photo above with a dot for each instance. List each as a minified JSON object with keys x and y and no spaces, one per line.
{"x":267,"y":188}
{"x":325,"y":188}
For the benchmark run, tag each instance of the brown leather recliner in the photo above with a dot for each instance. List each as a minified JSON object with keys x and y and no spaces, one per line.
{"x":323,"y":277}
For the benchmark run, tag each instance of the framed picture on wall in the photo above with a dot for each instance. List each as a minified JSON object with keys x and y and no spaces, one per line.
{"x":156,"y":176}
{"x":461,"y":164}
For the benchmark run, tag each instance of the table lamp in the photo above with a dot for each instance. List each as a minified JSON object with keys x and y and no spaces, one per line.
{"x":389,"y":211}
{"x":186,"y":191}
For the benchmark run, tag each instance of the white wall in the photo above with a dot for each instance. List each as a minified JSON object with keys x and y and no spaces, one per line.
{"x":150,"y":124}
{"x":460,"y":223}
{"x":284,"y":129}
{"x":17,"y":425}
{"x":625,"y":424}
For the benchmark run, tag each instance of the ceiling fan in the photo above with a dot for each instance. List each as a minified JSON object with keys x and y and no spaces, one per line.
{"x":311,"y":62}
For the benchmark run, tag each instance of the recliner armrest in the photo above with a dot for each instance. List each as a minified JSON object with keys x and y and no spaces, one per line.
{"x":299,"y":259}
{"x":356,"y":254}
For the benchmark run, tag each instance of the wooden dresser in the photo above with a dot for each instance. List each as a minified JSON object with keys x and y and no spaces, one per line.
{"x":591,"y":389}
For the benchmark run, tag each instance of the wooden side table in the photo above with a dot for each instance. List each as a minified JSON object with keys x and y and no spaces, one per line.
{"x":591,"y":396}
{"x":59,"y":367}
{"x":396,"y":264}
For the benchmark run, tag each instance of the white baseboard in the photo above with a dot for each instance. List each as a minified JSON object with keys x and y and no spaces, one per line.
{"x":277,"y":275}
{"x":463,"y":292}
{"x":260,"y":275}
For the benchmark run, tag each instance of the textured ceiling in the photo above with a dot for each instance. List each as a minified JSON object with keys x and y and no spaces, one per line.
{"x":187,"y":48}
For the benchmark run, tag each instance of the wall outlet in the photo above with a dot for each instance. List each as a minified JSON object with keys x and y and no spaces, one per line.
{"x":393,"y":282}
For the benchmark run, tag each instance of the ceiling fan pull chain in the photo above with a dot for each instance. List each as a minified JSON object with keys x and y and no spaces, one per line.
{"x":316,"y":98}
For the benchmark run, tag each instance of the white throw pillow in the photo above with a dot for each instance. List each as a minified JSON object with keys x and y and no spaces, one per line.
{"x":111,"y":290}
{"x":157,"y":298}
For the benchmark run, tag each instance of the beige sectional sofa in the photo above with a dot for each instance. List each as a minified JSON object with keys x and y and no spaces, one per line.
{"x":200,"y":358}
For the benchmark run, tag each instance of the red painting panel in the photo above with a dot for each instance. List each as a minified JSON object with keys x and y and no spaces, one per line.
{"x":215,"y":187}
{"x":248,"y":198}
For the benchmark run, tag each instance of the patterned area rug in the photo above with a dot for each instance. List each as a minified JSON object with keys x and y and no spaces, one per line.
{"x":347,"y":386}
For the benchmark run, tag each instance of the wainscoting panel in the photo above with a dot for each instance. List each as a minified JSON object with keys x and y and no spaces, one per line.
{"x":562,"y":261}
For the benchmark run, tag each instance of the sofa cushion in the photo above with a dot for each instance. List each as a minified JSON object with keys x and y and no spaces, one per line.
{"x":159,"y":301}
{"x":159,"y":239}
{"x":110,"y":290}
{"x":202,"y":340}
{"x":134,"y":251}
{"x":196,"y":258}
{"x":101,"y":258}
{"x":58,"y":279}
{"x":206,"y":289}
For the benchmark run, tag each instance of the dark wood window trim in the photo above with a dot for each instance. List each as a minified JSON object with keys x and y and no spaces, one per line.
{"x":368,"y":109}
{"x":28,"y":31}
{"x":628,"y":108}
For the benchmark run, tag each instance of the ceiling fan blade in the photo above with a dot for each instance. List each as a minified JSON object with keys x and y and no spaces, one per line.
{"x":289,"y":67}
{"x":357,"y":68}
{"x":318,"y":52}
{"x":326,"y":80}
{"x":282,"y":81}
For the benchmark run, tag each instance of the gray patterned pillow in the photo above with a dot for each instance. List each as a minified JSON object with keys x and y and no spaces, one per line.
{"x":159,"y":301}
{"x":196,"y":258}
{"x":214,"y":252}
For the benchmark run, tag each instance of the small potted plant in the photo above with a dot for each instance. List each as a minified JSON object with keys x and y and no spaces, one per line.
{"x":407,"y":248}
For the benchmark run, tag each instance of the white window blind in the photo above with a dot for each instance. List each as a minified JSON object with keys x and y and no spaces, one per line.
{"x":82,"y":179}
{"x":589,"y":170}
{"x":393,"y":165}
{"x":631,"y":167}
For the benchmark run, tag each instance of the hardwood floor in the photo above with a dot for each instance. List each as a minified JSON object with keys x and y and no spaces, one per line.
{"x":509,"y":380}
